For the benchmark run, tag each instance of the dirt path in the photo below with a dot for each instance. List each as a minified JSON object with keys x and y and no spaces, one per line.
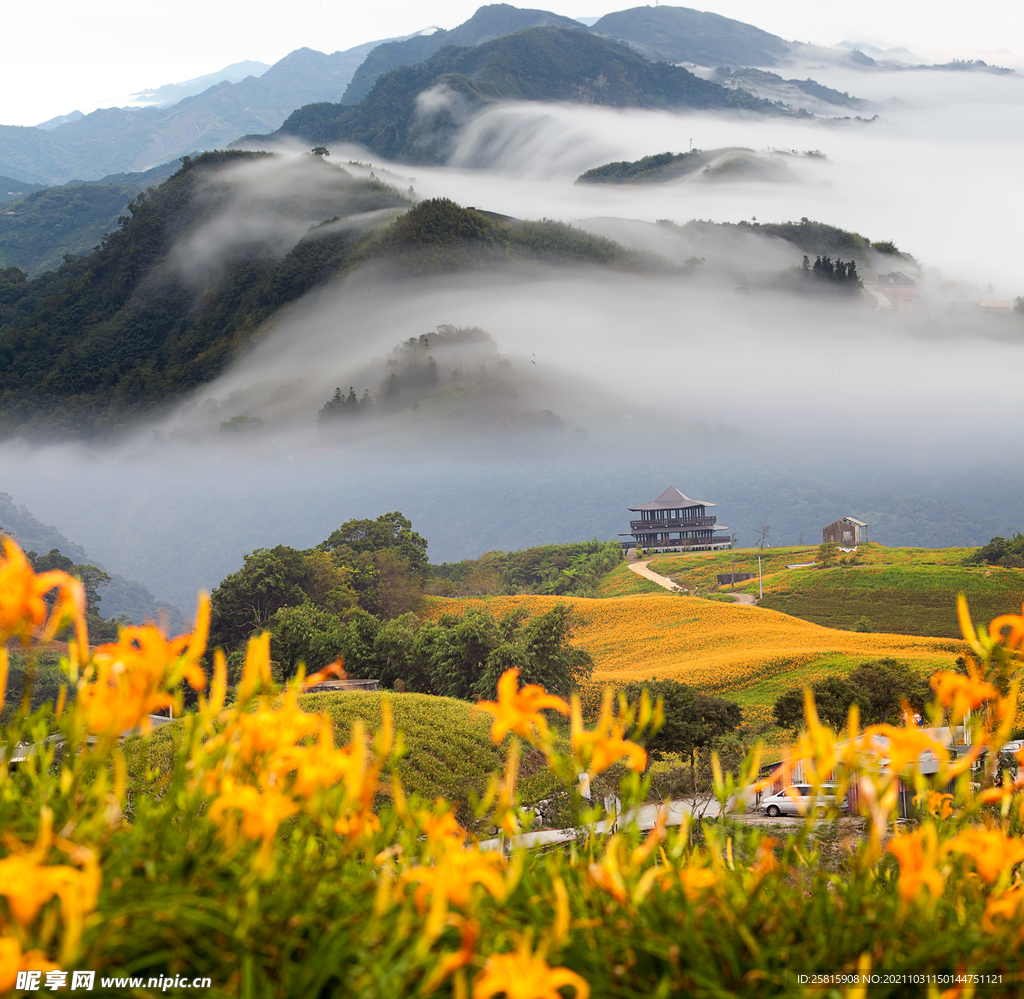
{"x":641,"y":569}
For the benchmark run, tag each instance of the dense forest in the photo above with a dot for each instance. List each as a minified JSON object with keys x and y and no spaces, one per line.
{"x":537,"y":64}
{"x":574,"y":569}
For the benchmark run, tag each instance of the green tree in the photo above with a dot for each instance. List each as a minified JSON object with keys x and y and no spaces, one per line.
{"x":246,"y":600}
{"x":828,"y":552}
{"x":305,"y":634}
{"x":693,"y":720}
{"x":832,"y":697}
{"x":388,"y":531}
{"x":886,"y":684}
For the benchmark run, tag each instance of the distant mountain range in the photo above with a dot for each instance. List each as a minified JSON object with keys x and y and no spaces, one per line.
{"x":679,"y":34}
{"x":112,"y":140}
{"x":211,"y":111}
{"x":537,"y":64}
{"x":247,"y":98}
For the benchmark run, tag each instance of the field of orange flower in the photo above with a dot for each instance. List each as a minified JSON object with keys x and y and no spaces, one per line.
{"x":264,"y":859}
{"x":748,"y":653}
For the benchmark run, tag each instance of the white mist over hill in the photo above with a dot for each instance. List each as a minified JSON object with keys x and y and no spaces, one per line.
{"x":782,"y":408}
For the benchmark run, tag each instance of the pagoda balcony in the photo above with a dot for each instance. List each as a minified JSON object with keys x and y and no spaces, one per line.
{"x":672,"y":525}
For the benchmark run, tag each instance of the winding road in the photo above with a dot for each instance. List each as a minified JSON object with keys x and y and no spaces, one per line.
{"x":641,"y":569}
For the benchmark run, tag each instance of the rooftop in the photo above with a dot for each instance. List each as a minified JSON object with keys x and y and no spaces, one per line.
{"x":671,"y":499}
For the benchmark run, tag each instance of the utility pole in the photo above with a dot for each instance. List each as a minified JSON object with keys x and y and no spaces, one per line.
{"x":732,"y":585}
{"x":760,"y":585}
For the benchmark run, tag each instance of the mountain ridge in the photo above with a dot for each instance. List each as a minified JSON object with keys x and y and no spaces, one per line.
{"x":397,"y":121}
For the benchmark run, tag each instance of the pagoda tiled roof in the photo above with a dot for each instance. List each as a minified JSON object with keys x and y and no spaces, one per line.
{"x":671,"y":499}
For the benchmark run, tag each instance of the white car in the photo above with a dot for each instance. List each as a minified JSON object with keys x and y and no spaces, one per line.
{"x":800,"y":799}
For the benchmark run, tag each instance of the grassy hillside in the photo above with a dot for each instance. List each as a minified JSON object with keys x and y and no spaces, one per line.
{"x":537,"y":64}
{"x":448,"y":747}
{"x":746,"y":653}
{"x":909,"y":591}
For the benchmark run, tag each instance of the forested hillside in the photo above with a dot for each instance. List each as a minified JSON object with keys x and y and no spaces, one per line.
{"x":151,"y":314}
{"x":679,"y":34}
{"x":39,"y":227}
{"x":489,"y":22}
{"x":537,"y":64}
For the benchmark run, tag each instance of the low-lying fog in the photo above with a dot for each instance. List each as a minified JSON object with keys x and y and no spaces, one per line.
{"x":779,"y":407}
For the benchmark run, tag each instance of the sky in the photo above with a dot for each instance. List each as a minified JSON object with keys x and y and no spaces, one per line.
{"x":84,"y":56}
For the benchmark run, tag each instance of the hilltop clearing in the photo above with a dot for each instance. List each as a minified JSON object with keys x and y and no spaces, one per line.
{"x":909,"y":591}
{"x":412,"y":113}
{"x":748,"y":654}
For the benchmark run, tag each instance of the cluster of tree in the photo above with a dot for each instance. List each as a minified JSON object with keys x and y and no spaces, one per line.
{"x":1007,"y":552}
{"x":377,"y":565}
{"x":458,"y":655}
{"x":91,"y":579}
{"x":825,"y":269}
{"x":440,"y":235}
{"x":463,"y":655}
{"x":879,"y":689}
{"x":536,"y":64}
{"x":413,"y":373}
{"x":340,"y":406}
{"x":572,"y":569}
{"x":651,"y":169}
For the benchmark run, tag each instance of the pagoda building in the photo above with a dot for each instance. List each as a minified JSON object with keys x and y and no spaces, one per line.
{"x":673,"y":523}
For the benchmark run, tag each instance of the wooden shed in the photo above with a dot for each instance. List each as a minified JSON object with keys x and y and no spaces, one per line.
{"x":846,"y":531}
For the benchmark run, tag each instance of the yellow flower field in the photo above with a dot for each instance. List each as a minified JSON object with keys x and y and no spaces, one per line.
{"x":719,"y":647}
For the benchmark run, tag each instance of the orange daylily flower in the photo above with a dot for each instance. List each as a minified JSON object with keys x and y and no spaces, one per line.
{"x":1006,"y":905}
{"x":12,"y":960}
{"x":28,"y":882}
{"x":917,"y":853}
{"x":450,"y":881}
{"x":130,"y":679}
{"x":1015,"y":622}
{"x":696,"y":881}
{"x":939,"y":805}
{"x":442,"y":831}
{"x":962,"y":693}
{"x":23,"y":610}
{"x":595,"y":751}
{"x":990,"y":851}
{"x":519,"y":709}
{"x":905,"y":745}
{"x":523,"y":975}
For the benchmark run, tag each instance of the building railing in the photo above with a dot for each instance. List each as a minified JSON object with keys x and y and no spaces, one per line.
{"x":655,"y":525}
